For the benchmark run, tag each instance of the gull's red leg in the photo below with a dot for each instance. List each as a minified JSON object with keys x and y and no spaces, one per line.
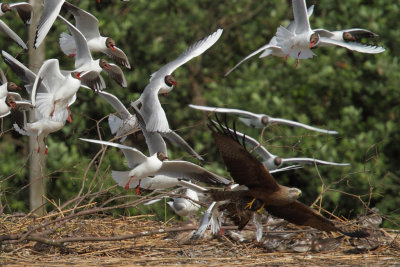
{"x":54,"y":108}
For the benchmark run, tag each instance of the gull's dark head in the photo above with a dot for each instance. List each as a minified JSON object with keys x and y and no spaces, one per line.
{"x":104,"y":64}
{"x":278,"y":161}
{"x":348,"y":37}
{"x":161,"y":156}
{"x":170,"y":81}
{"x":265,"y":120}
{"x":110,"y":43}
{"x":314,"y":39}
{"x":5,"y":8}
{"x":12,"y":86}
{"x":76,"y":75}
{"x":10,"y":101}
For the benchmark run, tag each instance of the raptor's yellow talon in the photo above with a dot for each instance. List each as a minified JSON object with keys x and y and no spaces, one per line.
{"x":250,"y":204}
{"x":261,"y":209}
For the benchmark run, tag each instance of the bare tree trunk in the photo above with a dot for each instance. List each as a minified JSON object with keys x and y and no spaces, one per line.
{"x":37,"y":164}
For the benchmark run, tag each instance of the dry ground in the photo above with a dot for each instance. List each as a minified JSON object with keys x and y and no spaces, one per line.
{"x":171,"y":248}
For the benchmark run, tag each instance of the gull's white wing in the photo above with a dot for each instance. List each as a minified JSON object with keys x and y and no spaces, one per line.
{"x":193,"y":51}
{"x":291,"y":26}
{"x":87,"y":24}
{"x":311,"y":161}
{"x":4,"y":28}
{"x":50,"y":12}
{"x":298,"y":124}
{"x":49,"y":74}
{"x":155,"y":143}
{"x":152,"y":111}
{"x":24,"y":10}
{"x":133,"y":156}
{"x":300,"y":15}
{"x":178,"y":140}
{"x":23,"y":73}
{"x":264,"y":47}
{"x":238,"y":112}
{"x":188,"y":170}
{"x":369,"y":49}
{"x":116,"y":104}
{"x":82,"y":50}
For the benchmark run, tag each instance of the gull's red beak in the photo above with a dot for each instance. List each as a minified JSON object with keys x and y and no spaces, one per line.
{"x":312,"y":44}
{"x":112,"y":48}
{"x":107,"y":67}
{"x":12,"y":105}
{"x":18,"y":88}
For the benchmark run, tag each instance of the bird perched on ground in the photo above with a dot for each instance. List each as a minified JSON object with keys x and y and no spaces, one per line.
{"x":183,"y":206}
{"x":278,"y":200}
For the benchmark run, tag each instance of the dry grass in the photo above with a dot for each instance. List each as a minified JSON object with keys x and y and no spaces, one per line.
{"x":168,"y":249}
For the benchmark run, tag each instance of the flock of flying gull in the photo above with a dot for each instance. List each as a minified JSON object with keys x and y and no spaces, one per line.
{"x":53,"y":91}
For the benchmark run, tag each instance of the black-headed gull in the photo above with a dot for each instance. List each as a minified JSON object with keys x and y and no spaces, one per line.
{"x":124,"y":124}
{"x":25,"y":12}
{"x":88,"y":25}
{"x":298,"y":43}
{"x":350,"y":39}
{"x":183,"y":206}
{"x":51,"y":10}
{"x":348,"y":35}
{"x":271,"y":161}
{"x":161,"y":82}
{"x":10,"y":100}
{"x":259,"y":120}
{"x":142,"y":166}
{"x":6,"y":86}
{"x":90,"y":69}
{"x":13,"y":102}
{"x":40,"y":128}
{"x":155,"y":141}
{"x":53,"y":100}
{"x":271,"y":48}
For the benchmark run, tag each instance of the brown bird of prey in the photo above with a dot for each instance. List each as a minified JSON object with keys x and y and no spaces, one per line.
{"x":279,"y":201}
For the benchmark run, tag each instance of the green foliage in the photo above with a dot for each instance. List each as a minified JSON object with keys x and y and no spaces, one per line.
{"x":355,"y":94}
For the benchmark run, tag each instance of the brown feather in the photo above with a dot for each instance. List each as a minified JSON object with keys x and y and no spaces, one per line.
{"x":244,"y":168}
{"x":300,"y":214}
